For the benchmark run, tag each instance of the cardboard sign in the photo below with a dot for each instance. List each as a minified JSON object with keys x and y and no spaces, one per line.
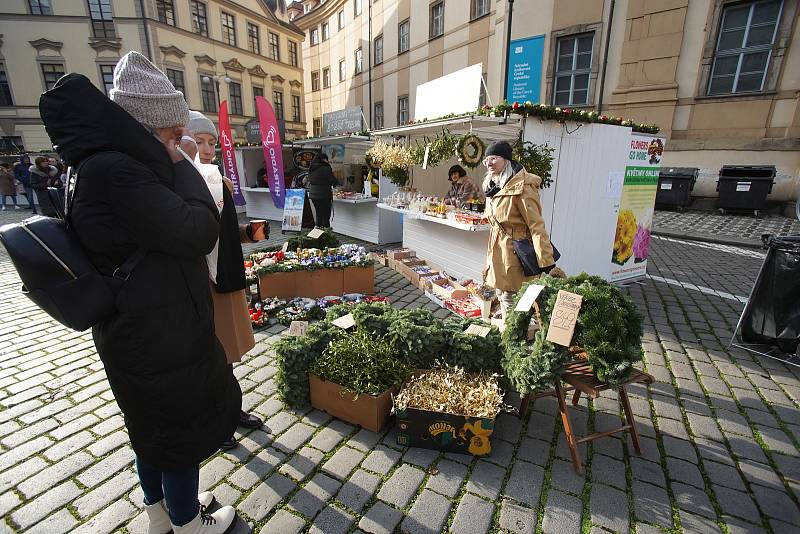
{"x":666,"y":186}
{"x":478,"y":330}
{"x":316,"y":233}
{"x":285,"y":247}
{"x":345,"y":321}
{"x":298,"y":328}
{"x":562,"y":322}
{"x":528,"y":298}
{"x":743,"y":186}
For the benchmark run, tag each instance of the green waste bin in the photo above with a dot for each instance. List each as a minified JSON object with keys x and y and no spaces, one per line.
{"x":674,"y":187}
{"x":744,"y":187}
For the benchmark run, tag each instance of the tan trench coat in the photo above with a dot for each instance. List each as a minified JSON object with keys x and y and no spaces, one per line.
{"x":516,"y":207}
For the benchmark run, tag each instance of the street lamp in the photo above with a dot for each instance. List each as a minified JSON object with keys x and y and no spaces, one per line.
{"x":217,"y":78}
{"x":508,"y":48}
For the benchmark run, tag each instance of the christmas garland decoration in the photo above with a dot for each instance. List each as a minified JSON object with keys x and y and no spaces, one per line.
{"x":471,"y":149}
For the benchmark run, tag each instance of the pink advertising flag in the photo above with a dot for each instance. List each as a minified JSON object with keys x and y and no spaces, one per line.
{"x":228,"y":153}
{"x":273,"y":156}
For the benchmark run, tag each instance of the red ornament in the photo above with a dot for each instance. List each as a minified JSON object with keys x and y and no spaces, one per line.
{"x":515,"y":106}
{"x":567,"y":110}
{"x":603,"y":117}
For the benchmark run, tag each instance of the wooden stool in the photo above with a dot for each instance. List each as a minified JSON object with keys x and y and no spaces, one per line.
{"x":579,"y":375}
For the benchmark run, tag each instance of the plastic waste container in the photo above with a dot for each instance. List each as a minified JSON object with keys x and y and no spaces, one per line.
{"x":772,"y":314}
{"x":744,"y":187}
{"x":674,"y":186}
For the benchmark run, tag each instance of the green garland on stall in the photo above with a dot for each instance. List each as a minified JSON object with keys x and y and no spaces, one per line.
{"x":537,"y":159}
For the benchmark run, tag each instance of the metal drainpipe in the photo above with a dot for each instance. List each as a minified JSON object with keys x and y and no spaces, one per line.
{"x":369,"y":62}
{"x":508,"y":48}
{"x":605,"y":57}
{"x":146,"y":31}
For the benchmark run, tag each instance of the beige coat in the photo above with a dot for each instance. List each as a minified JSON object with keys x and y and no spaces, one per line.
{"x":516,"y":207}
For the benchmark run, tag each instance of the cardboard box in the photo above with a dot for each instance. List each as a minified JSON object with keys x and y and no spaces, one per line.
{"x":280,"y":285}
{"x":359,"y":280}
{"x":368,"y":411}
{"x":400,"y":253}
{"x":456,"y":290}
{"x":444,"y":432}
{"x":407,"y":270}
{"x":322,"y":283}
{"x":465,"y":307}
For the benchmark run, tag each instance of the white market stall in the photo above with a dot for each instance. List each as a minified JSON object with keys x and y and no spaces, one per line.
{"x":250,"y":160}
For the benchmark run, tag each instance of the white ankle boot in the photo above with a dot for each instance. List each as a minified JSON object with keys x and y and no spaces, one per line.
{"x":159,"y":516}
{"x":204,"y":523}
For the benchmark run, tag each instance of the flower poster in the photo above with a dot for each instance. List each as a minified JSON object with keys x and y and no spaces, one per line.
{"x":636,"y":205}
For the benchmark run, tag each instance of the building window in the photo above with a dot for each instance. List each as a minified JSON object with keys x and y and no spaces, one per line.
{"x":40,"y":7}
{"x":314,"y":36}
{"x":274,"y":46}
{"x":326,"y":77}
{"x":253,"y":38}
{"x":744,"y":47}
{"x":277,"y":101}
{"x":235,"y":91}
{"x":402,"y":36}
{"x":176,"y":79}
{"x":377,"y":119}
{"x":359,"y":60}
{"x":402,"y":110}
{"x":357,"y":7}
{"x":51,"y":72}
{"x":482,"y":95}
{"x":293,"y":57}
{"x":199,"y":17}
{"x":295,"y":108}
{"x":102,"y":21}
{"x":107,"y":77}
{"x":340,"y":18}
{"x":573,"y":66}
{"x":378,"y":50}
{"x":342,"y":70}
{"x":166,"y":11}
{"x":315,"y":80}
{"x":437,"y":20}
{"x":478,"y":8}
{"x":228,"y":28}
{"x":257,"y":91}
{"x":5,"y":88}
{"x":317,"y":128}
{"x":209,"y":93}
{"x":326,"y":33}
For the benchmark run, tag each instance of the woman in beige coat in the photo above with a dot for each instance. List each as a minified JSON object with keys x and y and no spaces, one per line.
{"x":515,"y":212}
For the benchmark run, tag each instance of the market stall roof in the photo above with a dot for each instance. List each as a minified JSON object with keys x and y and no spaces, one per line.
{"x":357,"y":140}
{"x":482,"y":126}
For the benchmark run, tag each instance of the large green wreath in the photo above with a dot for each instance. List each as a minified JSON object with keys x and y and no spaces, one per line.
{"x":471,"y":149}
{"x":608,"y":330}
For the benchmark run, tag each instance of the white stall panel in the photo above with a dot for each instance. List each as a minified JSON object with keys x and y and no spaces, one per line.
{"x":461,"y":253}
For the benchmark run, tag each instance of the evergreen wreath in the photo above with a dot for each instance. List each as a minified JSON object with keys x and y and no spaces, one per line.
{"x":471,"y":149}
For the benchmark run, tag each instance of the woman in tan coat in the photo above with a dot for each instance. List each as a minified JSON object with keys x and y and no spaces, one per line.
{"x":232,"y":323}
{"x":515,"y":212}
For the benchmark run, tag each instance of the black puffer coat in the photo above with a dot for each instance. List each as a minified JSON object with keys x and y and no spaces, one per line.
{"x":321,"y":179}
{"x":165,"y":365}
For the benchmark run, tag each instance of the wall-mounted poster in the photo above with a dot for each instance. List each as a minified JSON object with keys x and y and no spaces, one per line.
{"x":525,"y":69}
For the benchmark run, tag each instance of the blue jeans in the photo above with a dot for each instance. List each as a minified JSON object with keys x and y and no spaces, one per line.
{"x":29,"y":196}
{"x":12,"y":197}
{"x":179,"y":488}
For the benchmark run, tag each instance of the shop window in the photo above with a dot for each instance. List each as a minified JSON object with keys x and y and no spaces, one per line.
{"x":573,"y":67}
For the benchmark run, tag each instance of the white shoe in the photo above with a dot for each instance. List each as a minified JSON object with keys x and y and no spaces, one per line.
{"x":16,"y":207}
{"x":159,"y":518}
{"x":206,"y":499}
{"x":204,"y":523}
{"x":4,"y":208}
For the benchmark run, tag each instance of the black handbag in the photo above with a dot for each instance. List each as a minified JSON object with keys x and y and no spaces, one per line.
{"x":526,"y":252}
{"x":57,"y":274}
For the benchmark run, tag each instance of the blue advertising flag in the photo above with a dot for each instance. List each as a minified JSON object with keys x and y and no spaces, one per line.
{"x":525,"y":69}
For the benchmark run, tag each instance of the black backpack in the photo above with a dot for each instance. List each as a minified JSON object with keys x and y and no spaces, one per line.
{"x":57,"y":274}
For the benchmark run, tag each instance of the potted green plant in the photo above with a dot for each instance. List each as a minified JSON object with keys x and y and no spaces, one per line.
{"x":356,"y":377}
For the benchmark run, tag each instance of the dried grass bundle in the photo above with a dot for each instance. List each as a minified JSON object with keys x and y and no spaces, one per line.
{"x":451,"y":390}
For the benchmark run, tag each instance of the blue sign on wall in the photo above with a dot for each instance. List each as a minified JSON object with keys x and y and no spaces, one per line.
{"x":525,"y":69}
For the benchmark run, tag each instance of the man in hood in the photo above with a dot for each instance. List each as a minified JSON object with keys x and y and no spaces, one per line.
{"x":23,"y":174}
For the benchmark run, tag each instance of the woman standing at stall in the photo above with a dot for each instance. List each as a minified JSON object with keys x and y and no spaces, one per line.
{"x":320,"y":189}
{"x":515,"y":212}
{"x":225,"y":266}
{"x":462,"y":188}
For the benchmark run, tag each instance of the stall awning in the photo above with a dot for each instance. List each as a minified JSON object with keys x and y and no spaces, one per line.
{"x":490,"y":128}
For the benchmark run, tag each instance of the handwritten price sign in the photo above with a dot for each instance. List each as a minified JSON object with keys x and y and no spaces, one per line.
{"x":562,"y":321}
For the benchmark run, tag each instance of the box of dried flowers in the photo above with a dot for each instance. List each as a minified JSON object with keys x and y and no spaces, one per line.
{"x":448,"y":410}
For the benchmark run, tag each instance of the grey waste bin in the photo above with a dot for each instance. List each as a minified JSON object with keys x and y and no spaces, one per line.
{"x":674,"y":186}
{"x":744,"y":187}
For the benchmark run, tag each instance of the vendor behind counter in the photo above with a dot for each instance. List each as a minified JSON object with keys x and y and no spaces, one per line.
{"x":462,"y":188}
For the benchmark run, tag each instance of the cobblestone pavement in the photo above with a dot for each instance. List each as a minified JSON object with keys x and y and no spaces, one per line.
{"x":745,"y":229}
{"x":719,"y":427}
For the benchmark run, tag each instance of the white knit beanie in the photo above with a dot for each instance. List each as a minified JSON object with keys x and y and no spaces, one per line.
{"x":147,"y":94}
{"x":200,"y":124}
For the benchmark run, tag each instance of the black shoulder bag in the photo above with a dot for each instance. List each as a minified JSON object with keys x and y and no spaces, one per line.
{"x":525,"y":251}
{"x":57,"y":274}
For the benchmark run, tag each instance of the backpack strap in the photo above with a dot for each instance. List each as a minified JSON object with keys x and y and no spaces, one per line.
{"x":123,"y":272}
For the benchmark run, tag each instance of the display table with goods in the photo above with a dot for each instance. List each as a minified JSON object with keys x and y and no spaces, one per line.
{"x":357,"y":215}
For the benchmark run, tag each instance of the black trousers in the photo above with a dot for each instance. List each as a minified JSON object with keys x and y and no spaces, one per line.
{"x":322,"y":211}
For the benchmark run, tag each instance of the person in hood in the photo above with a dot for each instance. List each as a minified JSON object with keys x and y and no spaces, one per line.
{"x":23,"y":175}
{"x":515,"y":212}
{"x":8,"y":187}
{"x":232,"y":322}
{"x":136,"y":192}
{"x":320,"y":189}
{"x":44,"y":176}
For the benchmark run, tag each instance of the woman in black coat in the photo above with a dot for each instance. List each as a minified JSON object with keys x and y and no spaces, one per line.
{"x":320,"y":183}
{"x":166,"y":368}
